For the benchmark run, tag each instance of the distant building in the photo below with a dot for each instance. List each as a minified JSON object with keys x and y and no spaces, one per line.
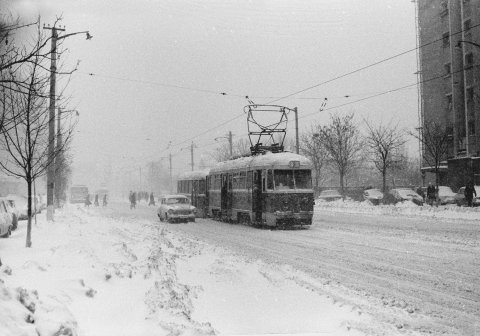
{"x":450,"y":81}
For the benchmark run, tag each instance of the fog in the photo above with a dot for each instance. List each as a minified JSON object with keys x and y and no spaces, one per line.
{"x":160,"y":75}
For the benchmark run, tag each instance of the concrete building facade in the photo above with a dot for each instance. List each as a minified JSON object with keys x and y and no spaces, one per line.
{"x":449,"y":59}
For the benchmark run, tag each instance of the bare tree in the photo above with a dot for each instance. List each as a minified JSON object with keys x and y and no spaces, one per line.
{"x":240,"y":147}
{"x":384,"y":143}
{"x":343,"y":144}
{"x":25,"y":139}
{"x":311,"y":147}
{"x":434,"y":137}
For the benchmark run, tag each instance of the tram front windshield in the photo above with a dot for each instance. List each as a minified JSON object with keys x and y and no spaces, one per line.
{"x":292,"y":179}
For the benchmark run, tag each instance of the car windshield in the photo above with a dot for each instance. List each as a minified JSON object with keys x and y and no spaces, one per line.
{"x":445,"y":191}
{"x":177,"y":200}
{"x":292,"y":179}
{"x":373,"y":192}
{"x":407,"y":193}
{"x":330,"y":193}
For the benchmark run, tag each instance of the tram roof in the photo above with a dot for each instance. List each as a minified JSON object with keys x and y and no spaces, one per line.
{"x":265,"y":161}
{"x":193,"y":175}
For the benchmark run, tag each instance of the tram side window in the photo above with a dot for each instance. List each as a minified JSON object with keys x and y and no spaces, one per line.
{"x":270,"y":179}
{"x":249,"y":180}
{"x":201,"y":187}
{"x":242,"y":180}
{"x":218,"y":182}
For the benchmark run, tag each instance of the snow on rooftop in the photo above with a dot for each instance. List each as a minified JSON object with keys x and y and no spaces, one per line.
{"x":264,"y":161}
{"x":193,"y":175}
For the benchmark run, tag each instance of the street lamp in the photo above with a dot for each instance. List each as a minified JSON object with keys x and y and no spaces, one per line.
{"x":51,"y":121}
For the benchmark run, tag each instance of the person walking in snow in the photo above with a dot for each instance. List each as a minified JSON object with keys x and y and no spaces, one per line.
{"x":469,"y":191}
{"x":152,"y":199}
{"x":104,"y":199}
{"x":431,"y":194}
{"x":133,"y":200}
{"x":87,"y":201}
{"x":96,"y":200}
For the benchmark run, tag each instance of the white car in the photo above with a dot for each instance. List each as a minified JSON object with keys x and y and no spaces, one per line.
{"x":21,"y":203}
{"x":176,"y":208}
{"x":446,"y":195}
{"x":375,"y":196}
{"x":10,"y":206}
{"x":5,"y":220}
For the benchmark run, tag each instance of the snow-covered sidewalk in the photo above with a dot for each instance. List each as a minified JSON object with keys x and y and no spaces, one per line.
{"x":407,"y":208}
{"x":94,"y":273}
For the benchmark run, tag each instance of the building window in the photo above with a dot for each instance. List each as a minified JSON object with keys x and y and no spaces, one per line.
{"x":470,"y":94}
{"x":444,"y":8}
{"x":446,"y":39}
{"x":469,"y":60}
{"x":448,"y":98}
{"x":448,"y":69}
{"x":471,"y":127}
{"x":467,"y":24}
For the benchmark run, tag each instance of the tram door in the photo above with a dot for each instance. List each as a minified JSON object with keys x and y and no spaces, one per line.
{"x":257,"y":195}
{"x":226,"y":195}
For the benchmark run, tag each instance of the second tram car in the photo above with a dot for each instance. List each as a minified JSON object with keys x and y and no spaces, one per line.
{"x":274,"y":189}
{"x":192,"y":185}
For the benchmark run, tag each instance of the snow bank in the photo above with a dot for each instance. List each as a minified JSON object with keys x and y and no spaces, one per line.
{"x":406,"y":208}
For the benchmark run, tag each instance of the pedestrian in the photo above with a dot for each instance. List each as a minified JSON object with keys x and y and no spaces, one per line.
{"x":87,"y":201}
{"x":431,"y":194}
{"x":469,"y":191}
{"x":96,"y":200}
{"x":133,"y":200}
{"x":152,"y":199}
{"x":104,"y":199}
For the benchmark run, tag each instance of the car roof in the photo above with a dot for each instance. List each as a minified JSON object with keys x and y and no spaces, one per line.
{"x":174,"y":196}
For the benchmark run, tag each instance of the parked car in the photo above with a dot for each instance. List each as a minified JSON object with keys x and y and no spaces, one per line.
{"x":404,"y":194}
{"x":176,"y":208}
{"x":375,"y":196}
{"x":10,"y":205}
{"x":21,"y":203}
{"x":329,"y":195}
{"x":460,"y":197}
{"x":5,"y":220}
{"x":446,"y":195}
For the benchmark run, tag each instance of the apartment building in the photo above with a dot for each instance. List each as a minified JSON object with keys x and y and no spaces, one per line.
{"x":449,"y":72}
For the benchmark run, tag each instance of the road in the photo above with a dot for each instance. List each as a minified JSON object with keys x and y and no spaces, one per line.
{"x":423,"y":275}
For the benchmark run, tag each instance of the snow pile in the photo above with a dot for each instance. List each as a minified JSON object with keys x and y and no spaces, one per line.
{"x":406,"y":208}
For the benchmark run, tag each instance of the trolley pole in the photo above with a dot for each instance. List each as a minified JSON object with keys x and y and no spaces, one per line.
{"x":296,"y":131}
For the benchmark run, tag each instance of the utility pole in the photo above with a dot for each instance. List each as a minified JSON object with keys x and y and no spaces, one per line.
{"x":191,"y":154}
{"x":230,"y":141}
{"x":171,"y":178}
{"x":51,"y":123}
{"x":51,"y":119}
{"x":59,"y":164}
{"x":296,"y":131}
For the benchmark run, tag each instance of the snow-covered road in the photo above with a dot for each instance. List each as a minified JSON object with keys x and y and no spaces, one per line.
{"x":410,"y":274}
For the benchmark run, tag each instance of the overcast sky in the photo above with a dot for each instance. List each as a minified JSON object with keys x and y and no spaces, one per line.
{"x":159,"y":68}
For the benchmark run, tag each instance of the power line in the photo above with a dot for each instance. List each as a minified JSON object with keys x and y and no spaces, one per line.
{"x":368,"y":66}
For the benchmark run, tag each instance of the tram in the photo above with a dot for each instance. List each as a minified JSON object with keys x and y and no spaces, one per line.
{"x":271,"y":189}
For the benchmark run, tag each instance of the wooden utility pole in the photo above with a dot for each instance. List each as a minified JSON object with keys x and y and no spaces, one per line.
{"x":51,"y":119}
{"x":51,"y":123}
{"x":191,"y":154}
{"x":297,"y":141}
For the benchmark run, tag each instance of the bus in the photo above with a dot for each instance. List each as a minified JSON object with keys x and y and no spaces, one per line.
{"x":78,"y":194}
